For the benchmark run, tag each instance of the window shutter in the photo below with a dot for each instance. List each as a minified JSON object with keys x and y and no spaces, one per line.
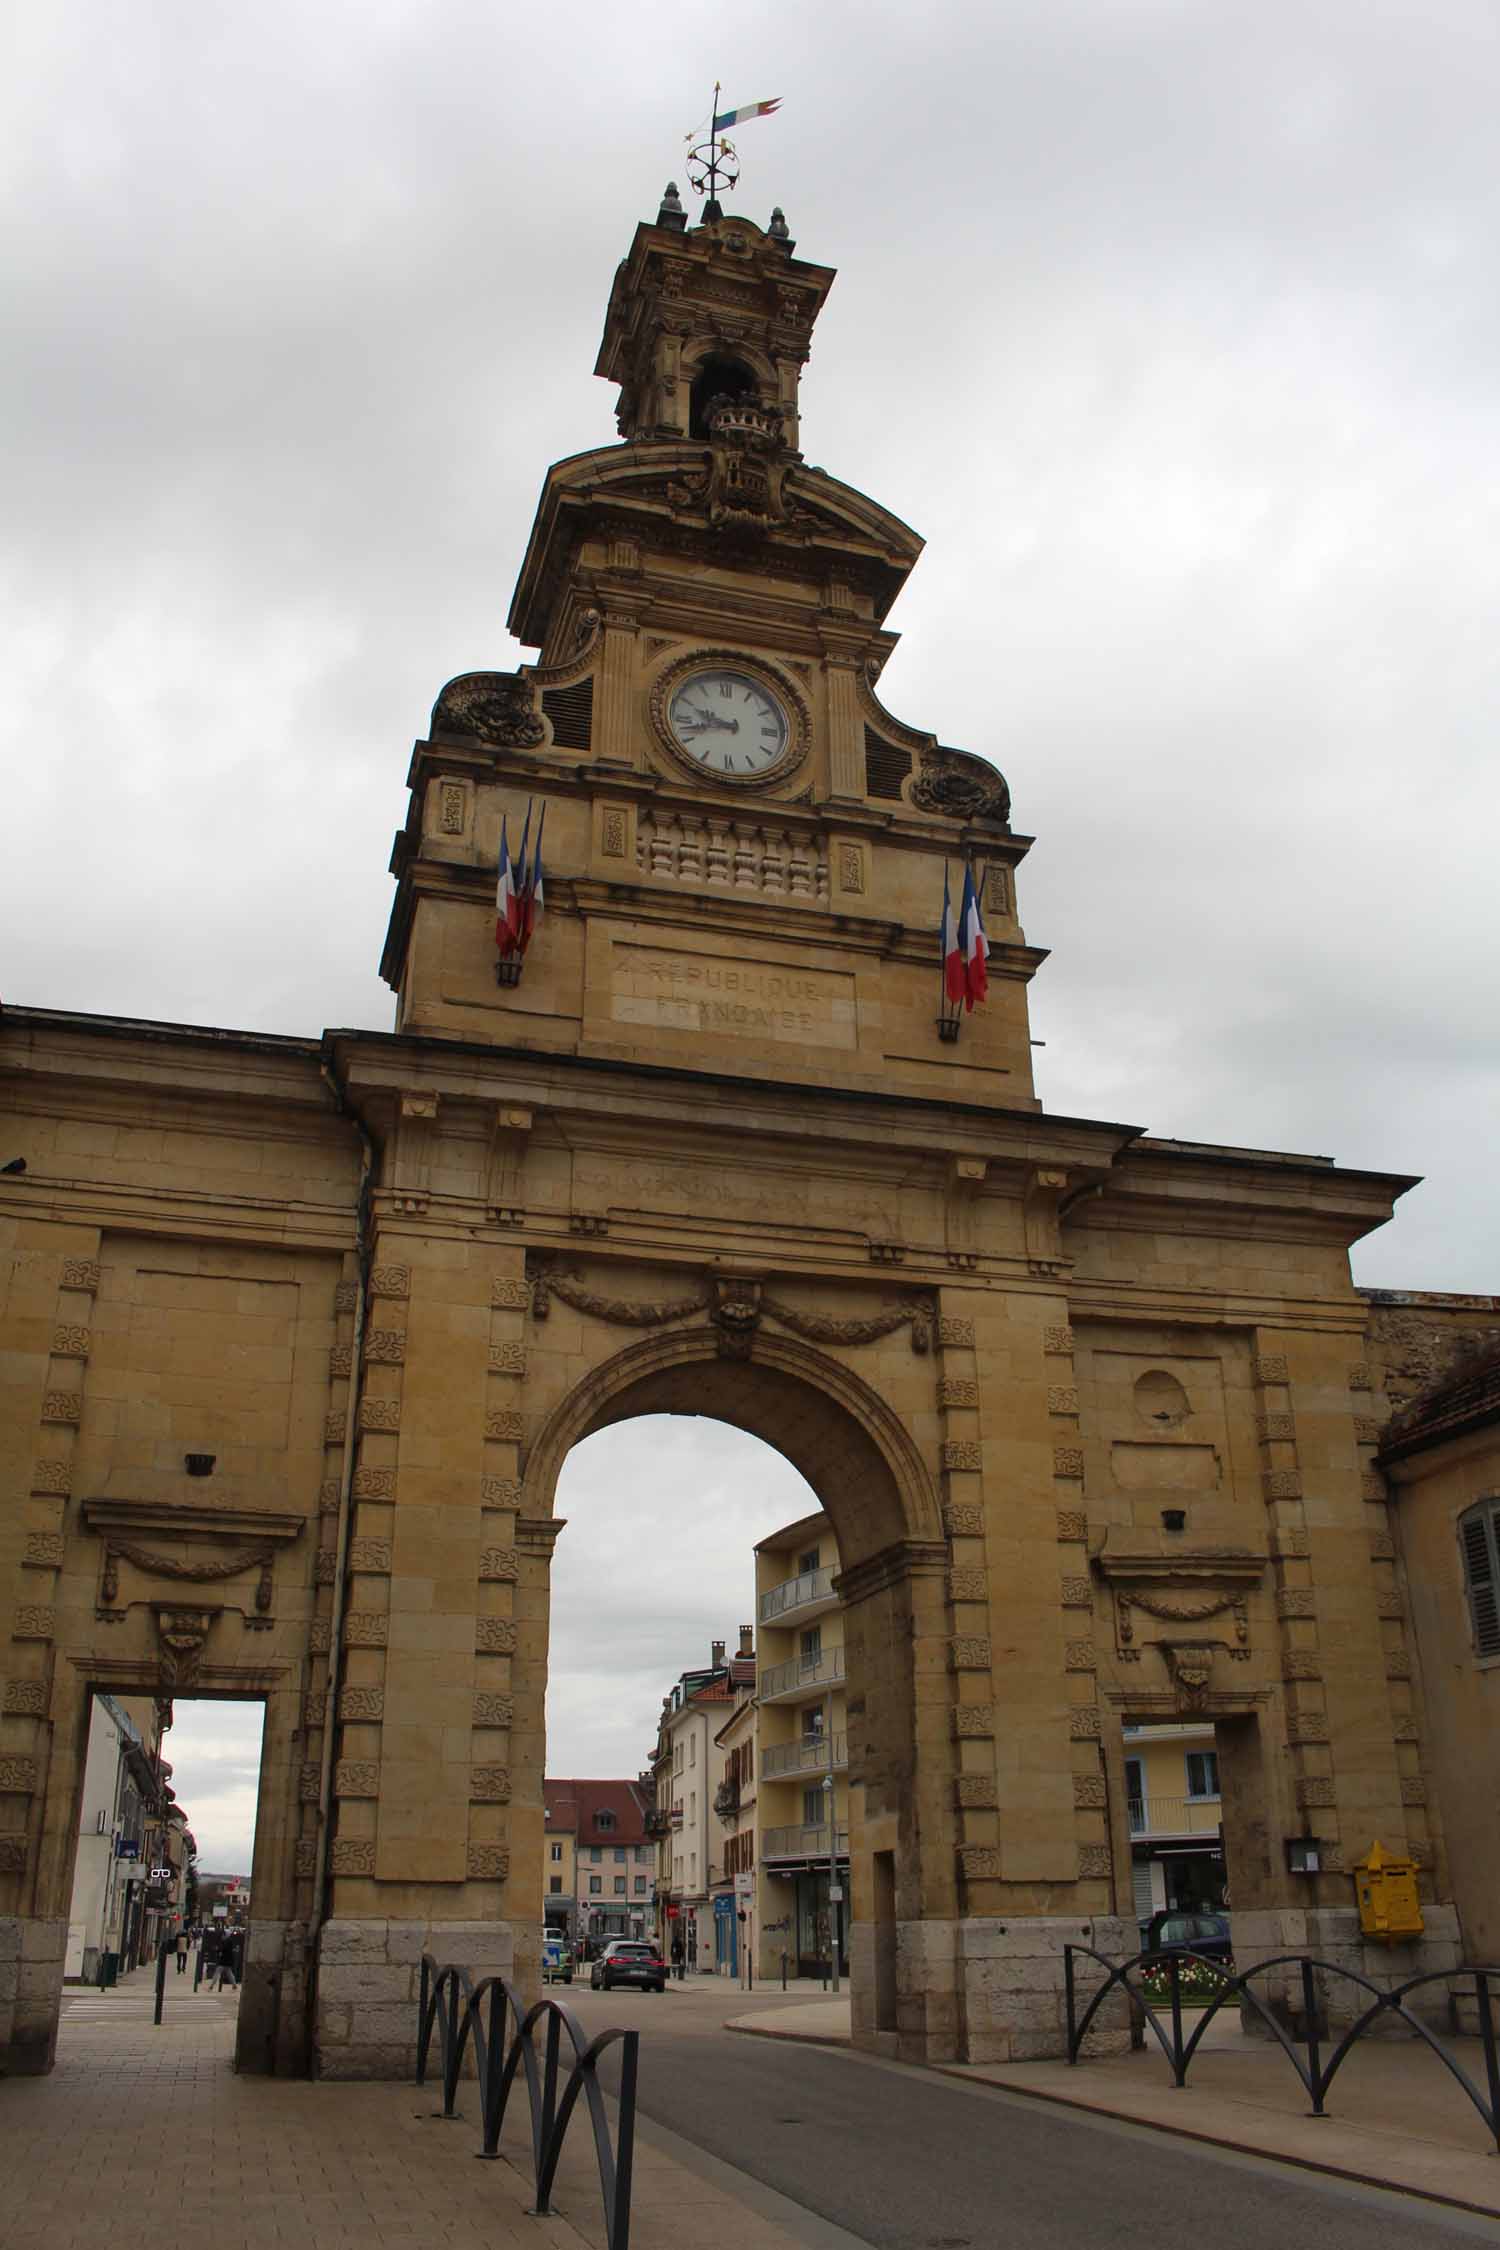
{"x":1478,"y":1534}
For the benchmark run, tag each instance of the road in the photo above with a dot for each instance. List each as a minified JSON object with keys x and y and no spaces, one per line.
{"x":904,"y":2159}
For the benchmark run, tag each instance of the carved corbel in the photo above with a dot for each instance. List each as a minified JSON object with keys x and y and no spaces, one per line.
{"x":416,"y":1135}
{"x":1190,"y":1666}
{"x":510,"y":1133}
{"x":181,"y":1635}
{"x":1044,"y":1248}
{"x":966,"y":1178}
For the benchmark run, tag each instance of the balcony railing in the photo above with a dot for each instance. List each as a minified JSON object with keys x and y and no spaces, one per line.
{"x":803,"y":1676}
{"x":796,"y":1593}
{"x":808,"y":1754}
{"x":1174,"y":1816}
{"x":803,"y":1840}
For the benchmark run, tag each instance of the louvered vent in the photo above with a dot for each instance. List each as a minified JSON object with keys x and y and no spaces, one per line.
{"x":886,"y":767}
{"x":1478,"y":1532}
{"x":571,"y":710}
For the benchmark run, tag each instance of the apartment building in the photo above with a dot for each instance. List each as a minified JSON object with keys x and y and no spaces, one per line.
{"x":600,"y":1860}
{"x":135,"y":1851}
{"x":1174,"y":1813}
{"x":689,"y":1765}
{"x":802,"y":1765}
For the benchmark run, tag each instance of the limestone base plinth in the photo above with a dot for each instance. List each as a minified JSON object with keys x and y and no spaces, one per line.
{"x":369,"y":1978}
{"x":32,"y":1955}
{"x":1013,"y":1985}
{"x":1333,"y":1934}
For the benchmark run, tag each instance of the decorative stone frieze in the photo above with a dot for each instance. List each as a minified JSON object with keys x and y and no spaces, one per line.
{"x":1067,"y":1460}
{"x":33,"y":1621}
{"x":1301,"y":1664}
{"x":1366,"y":1430}
{"x":18,"y":1777}
{"x":1413,"y":1790}
{"x":969,"y":1652}
{"x":385,"y":1347}
{"x":12,"y":1855}
{"x":1084,"y":1723}
{"x":496,"y":1635}
{"x":44,"y":1550}
{"x":325,"y":1566}
{"x":1315,"y":1792}
{"x":305,"y":1856}
{"x":1077,"y":1593}
{"x":1306,"y":1726}
{"x":973,"y":1721}
{"x":1062,"y":1398}
{"x":69,"y":1341}
{"x":346,"y":1297}
{"x":1058,"y":1340}
{"x":489,"y":1785}
{"x":510,"y":1296}
{"x":308,"y":1778}
{"x":1282,"y":1484}
{"x":356,"y":1777}
{"x":488,"y":1863}
{"x":1406,"y":1730}
{"x":1288,"y":1544}
{"x":507,"y":1359}
{"x":500,"y":1492}
{"x":1295,"y":1601}
{"x":379,"y":1413}
{"x":334,"y":1426}
{"x":390,"y":1281}
{"x":956,"y":1335}
{"x":1080,"y":1656}
{"x":374,"y":1484}
{"x":1270,"y":1367}
{"x":1094,"y":1863}
{"x":1089,"y":1794}
{"x":341,"y":1363}
{"x":963,"y":1455}
{"x":979,"y":1863}
{"x":958,"y":1391}
{"x":499,"y":1563}
{"x":1275,"y":1429}
{"x":967,"y":1586}
{"x":319,"y":1635}
{"x":328,"y":1497}
{"x":362,"y":1703}
{"x":1371,"y":1485}
{"x":366,"y":1628}
{"x":1397,"y":1664}
{"x":52,"y":1479}
{"x":351,"y":1856}
{"x":65,"y":1407}
{"x":975,"y":1792}
{"x":1072,"y":1526}
{"x":81,"y":1273}
{"x":315,"y":1708}
{"x":963,"y":1519}
{"x":1360,"y":1378}
{"x":504,"y":1429}
{"x":25,"y":1699}
{"x":1382,"y":1547}
{"x":493,"y":1711}
{"x":373,"y":1556}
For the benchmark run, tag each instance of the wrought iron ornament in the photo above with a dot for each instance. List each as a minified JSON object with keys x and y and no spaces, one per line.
{"x":713,"y":163}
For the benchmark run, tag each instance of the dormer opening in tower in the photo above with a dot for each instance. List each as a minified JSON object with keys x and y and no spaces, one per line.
{"x":719,"y":377}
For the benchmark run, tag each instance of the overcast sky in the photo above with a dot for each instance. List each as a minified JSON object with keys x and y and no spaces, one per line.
{"x":1172,"y":324}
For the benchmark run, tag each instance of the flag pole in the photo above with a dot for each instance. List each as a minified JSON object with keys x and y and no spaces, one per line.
{"x":713,"y":147}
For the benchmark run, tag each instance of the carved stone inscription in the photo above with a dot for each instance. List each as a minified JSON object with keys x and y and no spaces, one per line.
{"x":731,"y":999}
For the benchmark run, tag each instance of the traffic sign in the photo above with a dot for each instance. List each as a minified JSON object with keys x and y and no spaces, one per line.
{"x":836,"y":1895}
{"x":744,"y":1884}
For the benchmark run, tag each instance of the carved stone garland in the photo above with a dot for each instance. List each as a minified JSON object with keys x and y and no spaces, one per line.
{"x":735,"y":1307}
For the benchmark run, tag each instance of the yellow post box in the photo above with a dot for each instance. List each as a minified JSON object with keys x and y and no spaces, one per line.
{"x":1386,"y":1887}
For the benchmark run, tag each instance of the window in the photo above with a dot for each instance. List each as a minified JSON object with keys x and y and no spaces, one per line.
{"x":812,"y":1724}
{"x":693,"y":1806}
{"x":555,"y":1883}
{"x":1203,"y":1773}
{"x":812,"y":1643}
{"x":595,"y":1855}
{"x":1479,"y":1537}
{"x":557,"y":1851}
{"x":693,"y":1750}
{"x":812,"y":1806}
{"x":619,"y":1886}
{"x":643,"y":1853}
{"x":604,"y":1822}
{"x":621,"y":1852}
{"x":809,"y":1561}
{"x":642,"y":1885}
{"x":596,"y":1885}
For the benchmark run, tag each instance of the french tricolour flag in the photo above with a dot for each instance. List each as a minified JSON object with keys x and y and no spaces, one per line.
{"x":505,"y":899}
{"x":953,"y":960}
{"x":529,"y":905}
{"x":724,"y":118}
{"x":973,"y":945}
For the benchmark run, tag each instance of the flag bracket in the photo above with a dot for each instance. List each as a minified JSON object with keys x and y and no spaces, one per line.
{"x":947,"y":1026}
{"x":508,"y":969}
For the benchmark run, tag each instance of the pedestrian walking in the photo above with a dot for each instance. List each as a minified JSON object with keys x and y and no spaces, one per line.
{"x":184,"y":1947}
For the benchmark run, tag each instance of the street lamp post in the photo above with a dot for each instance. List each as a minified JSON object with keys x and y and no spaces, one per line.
{"x":833,"y":1857}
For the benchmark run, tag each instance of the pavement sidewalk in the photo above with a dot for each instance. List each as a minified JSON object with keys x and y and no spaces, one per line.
{"x":143,"y":2132}
{"x":1397,"y":2118}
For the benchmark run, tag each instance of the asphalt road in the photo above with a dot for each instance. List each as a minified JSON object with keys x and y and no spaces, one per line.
{"x":904,"y":2159}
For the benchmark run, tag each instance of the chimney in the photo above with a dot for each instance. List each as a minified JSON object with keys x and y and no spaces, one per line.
{"x":747,"y":1640}
{"x":717,"y":1657}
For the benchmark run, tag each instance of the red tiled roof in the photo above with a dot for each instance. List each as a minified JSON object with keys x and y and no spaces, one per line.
{"x":1465,"y":1401}
{"x":573,"y":1807}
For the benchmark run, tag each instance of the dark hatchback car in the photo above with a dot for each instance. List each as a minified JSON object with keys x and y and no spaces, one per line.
{"x":1175,"y":1930}
{"x":629,"y":1961}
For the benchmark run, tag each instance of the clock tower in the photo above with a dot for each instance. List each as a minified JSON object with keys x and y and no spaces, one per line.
{"x":745,"y":851}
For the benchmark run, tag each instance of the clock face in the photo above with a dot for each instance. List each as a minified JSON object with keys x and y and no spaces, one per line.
{"x":728,"y":723}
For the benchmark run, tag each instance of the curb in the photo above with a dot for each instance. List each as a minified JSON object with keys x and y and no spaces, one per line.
{"x":797,"y":2038}
{"x":964,"y":2074}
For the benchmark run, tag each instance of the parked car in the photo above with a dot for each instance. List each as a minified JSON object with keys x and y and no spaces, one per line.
{"x":629,"y":1961}
{"x":557,"y":1960}
{"x":1176,"y":1930}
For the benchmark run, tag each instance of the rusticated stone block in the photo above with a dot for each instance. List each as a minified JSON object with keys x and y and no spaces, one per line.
{"x":1359,"y":1378}
{"x":489,"y":1785}
{"x":969,"y":1652}
{"x":1397,"y":1664}
{"x":346,"y":1297}
{"x":328,"y":1497}
{"x":1371,"y":1485}
{"x":1088,"y":1792}
{"x":507,"y":1359}
{"x":1067,"y":1460}
{"x":374,"y":1484}
{"x":341,"y":1363}
{"x":81,"y":1273}
{"x":1077,"y":1593}
{"x":1057,"y":1340}
{"x":1080,"y":1656}
{"x":1405,"y":1730}
{"x":493,"y":1711}
{"x":497,"y":1635}
{"x":333,"y":1429}
{"x":44,"y":1550}
{"x":1382,"y":1547}
{"x":1389,"y":1605}
{"x":956,"y":1335}
{"x":356,"y":1777}
{"x":1270,"y":1368}
{"x":1275,"y":1429}
{"x":12,"y":1855}
{"x":1295,"y":1601}
{"x":366,"y":1628}
{"x":25,"y":1699}
{"x":1413,"y":1790}
{"x":1288,"y":1545}
{"x":318,"y":1636}
{"x":979,"y":1863}
{"x":1306,"y":1726}
{"x":69,"y":1341}
{"x":379,"y":1414}
{"x":499,"y":1563}
{"x":33,"y":1621}
{"x":385,"y":1347}
{"x":18,"y":1776}
{"x":504,"y":1429}
{"x":1366,"y":1430}
{"x":1072,"y":1525}
{"x":1315,"y":1792}
{"x":315,"y":1708}
{"x":958,"y":1390}
{"x":973,"y":1721}
{"x":325,"y":1564}
{"x":510,"y":1296}
{"x":62,"y":1406}
{"x":308,"y":1779}
{"x":500,"y":1492}
{"x":391,"y":1281}
{"x":1094,"y":1863}
{"x":488,"y":1863}
{"x":373,"y":1556}
{"x":367,"y":1703}
{"x":962,"y":1454}
{"x":352,"y":1857}
{"x":1062,"y":1398}
{"x":1084,"y":1723}
{"x":975,"y":1792}
{"x":963,"y":1519}
{"x":1282,"y":1484}
{"x":1301,"y":1664}
{"x":305,"y":1855}
{"x":967,"y":1586}
{"x":52,"y":1479}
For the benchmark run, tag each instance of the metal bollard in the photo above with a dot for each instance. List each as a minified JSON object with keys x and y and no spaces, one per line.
{"x":783,"y":1972}
{"x":161,"y":1976}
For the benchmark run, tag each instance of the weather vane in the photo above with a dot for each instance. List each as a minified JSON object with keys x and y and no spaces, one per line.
{"x":714,"y":163}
